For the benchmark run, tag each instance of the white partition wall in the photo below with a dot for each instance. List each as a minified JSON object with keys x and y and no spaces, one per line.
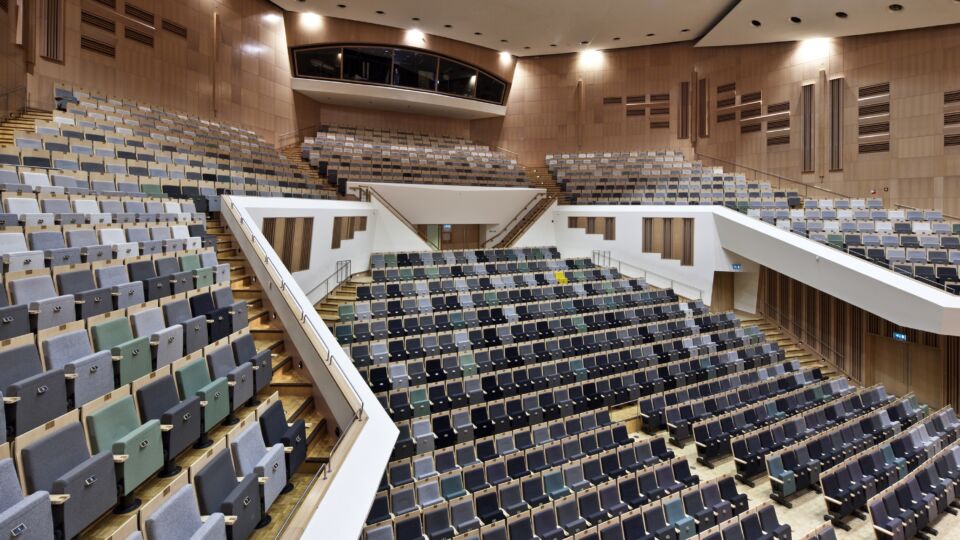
{"x":726,"y":240}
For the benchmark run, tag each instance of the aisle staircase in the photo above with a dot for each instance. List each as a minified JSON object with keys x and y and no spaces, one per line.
{"x":539,"y":176}
{"x":525,"y":222}
{"x":345,"y":293}
{"x":794,"y":350}
{"x":25,"y":121}
{"x":292,"y":153}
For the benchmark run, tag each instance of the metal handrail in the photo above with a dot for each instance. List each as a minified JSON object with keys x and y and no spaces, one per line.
{"x":11,"y":112}
{"x":780,"y":178}
{"x":372,"y":192}
{"x":343,"y":269}
{"x":523,"y":211}
{"x":603,"y":258}
{"x":268,"y":262}
{"x":296,"y":133}
{"x":775,"y":315}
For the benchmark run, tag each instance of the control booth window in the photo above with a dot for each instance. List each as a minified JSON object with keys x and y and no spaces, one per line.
{"x":414,"y":70}
{"x":489,"y":89}
{"x":319,"y":63}
{"x":370,"y":64}
{"x":457,"y":79}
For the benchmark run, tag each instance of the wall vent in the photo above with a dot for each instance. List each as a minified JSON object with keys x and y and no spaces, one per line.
{"x":138,"y":36}
{"x":95,"y":45}
{"x":97,"y":21}
{"x":138,"y":13}
{"x":174,"y":28}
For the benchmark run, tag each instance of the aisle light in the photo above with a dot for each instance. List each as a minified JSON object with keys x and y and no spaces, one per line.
{"x":814,"y":49}
{"x":310,"y":20}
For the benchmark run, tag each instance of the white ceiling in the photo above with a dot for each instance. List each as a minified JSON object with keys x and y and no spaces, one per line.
{"x":818,"y":19}
{"x":530,"y":27}
{"x":534,"y":23}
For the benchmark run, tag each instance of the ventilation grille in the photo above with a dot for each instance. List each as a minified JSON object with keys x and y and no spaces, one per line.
{"x":660,"y":125}
{"x":50,"y":15}
{"x":951,"y":118}
{"x":874,"y":90}
{"x":750,"y":128}
{"x":727,"y":102}
{"x":872,"y":148}
{"x":751,"y":97}
{"x":683,"y":129}
{"x":806,"y":127}
{"x":778,"y":140}
{"x":654,"y":98}
{"x":636,"y":112}
{"x":612,"y":100}
{"x":836,"y":124}
{"x":951,"y":140}
{"x":729,"y":87}
{"x":778,"y":124}
{"x":633,"y":100}
{"x":174,"y":28}
{"x":659,"y":111}
{"x":138,"y":13}
{"x":112,"y":4}
{"x":726,"y":117}
{"x":873,"y":129}
{"x":94,"y":45}
{"x":138,"y":36}
{"x":951,"y":97}
{"x":752,"y":112}
{"x":779,"y":107}
{"x":97,"y":21}
{"x":871,"y":110}
{"x":3,"y":5}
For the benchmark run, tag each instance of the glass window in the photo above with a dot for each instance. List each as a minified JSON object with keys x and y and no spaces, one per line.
{"x":370,"y":64}
{"x":323,"y":63}
{"x":457,"y":79}
{"x":415,"y":70}
{"x":489,"y":89}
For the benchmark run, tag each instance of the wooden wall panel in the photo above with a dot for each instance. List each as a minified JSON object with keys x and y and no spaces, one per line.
{"x":860,"y":344}
{"x":13,"y":71}
{"x":239,"y":74}
{"x":292,"y":239}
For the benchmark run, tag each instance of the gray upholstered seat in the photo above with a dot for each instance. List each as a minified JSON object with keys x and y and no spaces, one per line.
{"x":219,"y":490}
{"x":250,"y":455}
{"x":90,"y":374}
{"x":90,"y":248}
{"x":54,"y":248}
{"x":208,"y":259}
{"x":41,"y":395}
{"x":245,"y":350}
{"x":28,"y":211}
{"x":60,"y":463}
{"x":166,"y":342}
{"x":47,"y":308}
{"x":178,"y":518}
{"x":222,"y":364}
{"x":194,"y":328}
{"x":125,"y":293}
{"x":89,"y":299}
{"x":223,"y":298}
{"x":16,"y":256}
{"x":23,"y":517}
{"x":181,"y":420}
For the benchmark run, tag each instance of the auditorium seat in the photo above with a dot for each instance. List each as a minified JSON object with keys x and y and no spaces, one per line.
{"x":137,"y":447}
{"x":219,"y":489}
{"x":193,"y":379}
{"x":89,"y":374}
{"x":179,"y":517}
{"x":251,"y":455}
{"x":180,"y":420}
{"x":19,"y":514}
{"x":275,"y":429}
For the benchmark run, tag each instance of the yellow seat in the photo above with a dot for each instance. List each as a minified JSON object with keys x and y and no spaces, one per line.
{"x":561,"y":277}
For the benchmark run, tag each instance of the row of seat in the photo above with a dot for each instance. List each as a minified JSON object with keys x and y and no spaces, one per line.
{"x":825,"y":451}
{"x":750,"y":447}
{"x":556,"y":267}
{"x":32,"y":211}
{"x":439,"y":258}
{"x":912,"y":505}
{"x":877,"y":469}
{"x":518,"y":290}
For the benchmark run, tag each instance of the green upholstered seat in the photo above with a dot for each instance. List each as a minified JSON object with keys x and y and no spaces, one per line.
{"x":193,"y":379}
{"x":116,"y":428}
{"x":132,"y":357}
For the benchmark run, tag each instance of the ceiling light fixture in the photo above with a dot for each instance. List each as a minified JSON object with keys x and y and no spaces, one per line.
{"x":379,"y":12}
{"x":272,"y":18}
{"x":448,"y":26}
{"x":527,"y":47}
{"x":616,"y":38}
{"x":553,"y":44}
{"x":414,"y":18}
{"x":651,"y":34}
{"x":504,"y":56}
{"x":341,"y":6}
{"x":841,"y":14}
{"x":478,"y":33}
{"x":685,"y":30}
{"x":590,"y":58}
{"x":415,"y":35}
{"x":895,"y":7}
{"x":584,"y":42}
{"x":310,"y":20}
{"x":813,"y":49}
{"x":796,"y":20}
{"x":755,"y":22}
{"x":504,"y":41}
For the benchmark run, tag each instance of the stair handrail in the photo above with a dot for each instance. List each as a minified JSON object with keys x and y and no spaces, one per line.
{"x":341,"y":274}
{"x":603,"y":258}
{"x":371,"y":192}
{"x":295,"y":134}
{"x":523,"y":211}
{"x":780,"y":178}
{"x":9,"y":112}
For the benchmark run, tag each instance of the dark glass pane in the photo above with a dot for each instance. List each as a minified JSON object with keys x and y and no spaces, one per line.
{"x":318,"y":63}
{"x":457,"y":79}
{"x":415,"y":70}
{"x":489,"y":89}
{"x":371,"y":64}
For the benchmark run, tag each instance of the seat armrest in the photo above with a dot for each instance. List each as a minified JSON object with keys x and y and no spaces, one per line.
{"x":146,"y":435}
{"x":177,"y":414}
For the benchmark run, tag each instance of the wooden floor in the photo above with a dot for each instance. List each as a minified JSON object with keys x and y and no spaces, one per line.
{"x":808,"y":509}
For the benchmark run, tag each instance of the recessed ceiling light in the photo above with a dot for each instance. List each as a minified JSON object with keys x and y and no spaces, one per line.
{"x":478,"y":33}
{"x":841,"y":14}
{"x":895,"y":7}
{"x":796,"y":20}
{"x":527,"y":47}
{"x":553,"y":44}
{"x":341,"y":6}
{"x":616,"y":39}
{"x":414,"y":18}
{"x":503,"y":41}
{"x":584,"y":42}
{"x":379,"y":12}
{"x":448,"y":26}
{"x":685,"y":30}
{"x":651,"y":34}
{"x":755,"y":22}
